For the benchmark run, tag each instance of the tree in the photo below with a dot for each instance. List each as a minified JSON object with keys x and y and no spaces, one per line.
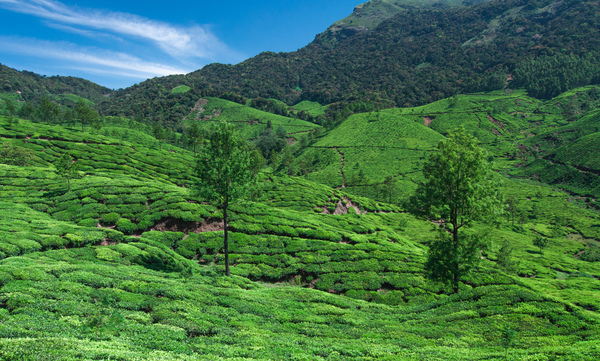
{"x":26,"y":110}
{"x":67,"y":168}
{"x":10,"y":107}
{"x":456,"y":191}
{"x":390,"y":184}
{"x":268,"y":142}
{"x":159,"y":134}
{"x":541,"y":243}
{"x":85,"y":114}
{"x":226,"y":168}
{"x":194,"y":135}
{"x":505,"y":257}
{"x":47,"y":110}
{"x":68,"y":117}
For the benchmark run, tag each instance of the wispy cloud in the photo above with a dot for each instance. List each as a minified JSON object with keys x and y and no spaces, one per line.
{"x":90,"y":59}
{"x":196,"y":41}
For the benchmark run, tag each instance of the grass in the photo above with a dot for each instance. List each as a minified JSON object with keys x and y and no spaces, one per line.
{"x":180,"y":89}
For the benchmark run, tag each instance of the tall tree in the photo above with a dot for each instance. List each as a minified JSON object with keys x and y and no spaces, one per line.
{"x":26,"y":110}
{"x":390,"y":184}
{"x":47,"y":110}
{"x":85,"y":114}
{"x":226,"y":169}
{"x":457,"y":191}
{"x":10,"y":108}
{"x":67,"y":168}
{"x":194,"y":135}
{"x":159,"y":134}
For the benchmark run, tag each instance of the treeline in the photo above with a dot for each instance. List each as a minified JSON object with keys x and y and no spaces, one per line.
{"x":545,"y":77}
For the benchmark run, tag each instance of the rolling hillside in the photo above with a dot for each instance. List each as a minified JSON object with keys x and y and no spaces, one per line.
{"x":136,"y":256}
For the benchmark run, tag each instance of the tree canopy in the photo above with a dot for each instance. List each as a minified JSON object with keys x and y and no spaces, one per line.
{"x":457,"y":191}
{"x":226,"y":169}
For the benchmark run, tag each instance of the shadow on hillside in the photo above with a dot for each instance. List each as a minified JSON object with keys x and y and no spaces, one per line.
{"x":56,"y":193}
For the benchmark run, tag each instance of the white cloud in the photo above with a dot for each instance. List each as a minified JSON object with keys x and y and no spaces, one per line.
{"x":197,"y":41}
{"x":88,"y":59}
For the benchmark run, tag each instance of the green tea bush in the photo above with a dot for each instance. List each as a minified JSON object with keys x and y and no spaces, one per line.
{"x":110,"y":218}
{"x":87,"y":278}
{"x":126,"y":226}
{"x":591,"y":254}
{"x":88,"y":222}
{"x":168,"y":239}
{"x":53,"y":242}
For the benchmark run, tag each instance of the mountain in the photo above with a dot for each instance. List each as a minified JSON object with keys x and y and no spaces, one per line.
{"x":417,"y":56}
{"x":366,"y":17}
{"x":32,"y":86}
{"x":420,"y":56}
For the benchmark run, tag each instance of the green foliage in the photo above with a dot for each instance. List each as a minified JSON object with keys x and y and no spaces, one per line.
{"x":547,"y":76}
{"x":67,"y":168}
{"x":226,"y":171}
{"x":456,"y":191}
{"x":541,"y":243}
{"x":506,"y":257}
{"x":47,"y":111}
{"x":13,"y":155}
{"x":85,"y":114}
{"x":224,"y":167}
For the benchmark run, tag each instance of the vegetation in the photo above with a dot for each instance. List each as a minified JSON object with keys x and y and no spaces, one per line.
{"x":323,"y":257}
{"x":456,"y":192}
{"x":226,"y":171}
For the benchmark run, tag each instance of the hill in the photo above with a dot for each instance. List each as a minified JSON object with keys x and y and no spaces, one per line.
{"x":32,"y":87}
{"x":126,"y":254}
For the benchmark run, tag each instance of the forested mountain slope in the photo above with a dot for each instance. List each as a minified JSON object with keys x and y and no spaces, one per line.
{"x":368,"y":16}
{"x":413,"y":58}
{"x":33,"y":87}
{"x":420,"y":56}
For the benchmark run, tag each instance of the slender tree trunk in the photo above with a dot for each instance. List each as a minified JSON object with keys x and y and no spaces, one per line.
{"x":225,"y":240}
{"x":456,"y":260}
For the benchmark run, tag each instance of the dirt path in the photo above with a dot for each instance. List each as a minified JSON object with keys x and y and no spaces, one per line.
{"x":341,"y":167}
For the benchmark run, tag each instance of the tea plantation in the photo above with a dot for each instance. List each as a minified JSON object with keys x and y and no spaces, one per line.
{"x":124,"y":261}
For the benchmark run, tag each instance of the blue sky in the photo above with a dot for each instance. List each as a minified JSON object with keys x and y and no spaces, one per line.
{"x":120,"y":43}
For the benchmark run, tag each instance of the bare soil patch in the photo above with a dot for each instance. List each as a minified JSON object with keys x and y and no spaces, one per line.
{"x":178,"y":225}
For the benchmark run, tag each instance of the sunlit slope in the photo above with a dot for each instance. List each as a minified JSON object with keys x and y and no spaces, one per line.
{"x":99,"y":155}
{"x":368,"y":147}
{"x":250,"y":122}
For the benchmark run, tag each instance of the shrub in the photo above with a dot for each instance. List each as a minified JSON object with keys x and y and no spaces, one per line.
{"x":88,"y":222}
{"x":110,"y":218}
{"x":53,"y":242}
{"x":126,"y":226}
